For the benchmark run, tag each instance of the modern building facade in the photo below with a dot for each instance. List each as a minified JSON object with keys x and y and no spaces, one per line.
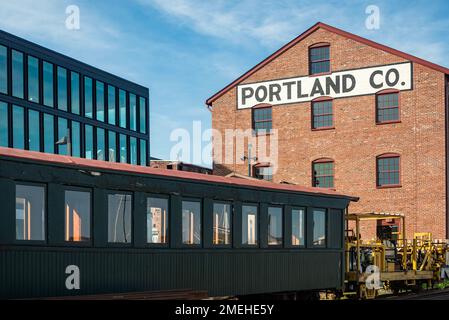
{"x":351,"y":115}
{"x":54,"y":104}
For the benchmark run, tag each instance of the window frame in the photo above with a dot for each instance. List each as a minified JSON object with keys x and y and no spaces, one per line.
{"x":32,"y":242}
{"x":231,"y":224}
{"x":316,"y":46}
{"x":120,"y":244}
{"x":388,"y":156}
{"x":169,"y":219}
{"x":250,"y":246}
{"x":269,"y":205}
{"x":289,"y":244}
{"x":312,"y":114}
{"x":83,"y":244}
{"x":376,"y":109}
{"x":195,"y":245}
{"x":253,"y":121}
{"x":256,"y":167}
{"x":320,"y":161}
{"x":326,"y":228}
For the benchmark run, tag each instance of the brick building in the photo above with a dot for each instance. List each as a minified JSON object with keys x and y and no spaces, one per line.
{"x":351,"y":115}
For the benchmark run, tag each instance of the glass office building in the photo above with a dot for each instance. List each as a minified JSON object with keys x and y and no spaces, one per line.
{"x":46,"y":97}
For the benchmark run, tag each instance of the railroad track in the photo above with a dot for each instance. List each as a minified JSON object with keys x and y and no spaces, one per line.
{"x":433,"y":294}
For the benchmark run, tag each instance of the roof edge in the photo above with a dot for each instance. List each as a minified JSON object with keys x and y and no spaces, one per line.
{"x":327,"y":27}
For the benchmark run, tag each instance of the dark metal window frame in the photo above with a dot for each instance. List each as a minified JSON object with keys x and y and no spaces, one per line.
{"x":169,"y":220}
{"x":32,"y":242}
{"x":326,"y":227}
{"x":107,"y":193}
{"x":388,"y":156}
{"x":288,"y":242}
{"x":231,"y":224}
{"x":269,"y":205}
{"x":82,"y":244}
{"x":201,"y":202}
{"x":258,"y":238}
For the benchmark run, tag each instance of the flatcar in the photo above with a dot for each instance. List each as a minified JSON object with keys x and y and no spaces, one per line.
{"x":73,"y":227}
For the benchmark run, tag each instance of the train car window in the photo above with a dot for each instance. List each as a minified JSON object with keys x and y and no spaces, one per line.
{"x":119,"y":218}
{"x":319,"y":227}
{"x":221,"y":224}
{"x":157,"y":220}
{"x":249,"y":225}
{"x":30,"y":212}
{"x":191,"y":222}
{"x":298,"y":226}
{"x":274,"y":226}
{"x":77,"y":216}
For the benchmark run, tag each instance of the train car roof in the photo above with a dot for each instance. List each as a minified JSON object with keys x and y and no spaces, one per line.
{"x":96,"y":165}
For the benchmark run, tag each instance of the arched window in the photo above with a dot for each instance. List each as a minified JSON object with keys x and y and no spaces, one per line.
{"x":262,"y":118}
{"x":263,"y":171}
{"x":323,"y":173}
{"x":388,"y":170}
{"x":319,"y":58}
{"x":387,"y":106}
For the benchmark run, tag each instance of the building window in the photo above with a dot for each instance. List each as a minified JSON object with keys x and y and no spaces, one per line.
{"x":4,"y":132}
{"x":75,"y":92}
{"x":319,"y":59}
{"x":63,"y":129}
{"x":122,"y":108}
{"x":89,"y":142}
{"x":191,"y":222}
{"x":112,"y":144}
{"x":17,"y":74}
{"x":119,"y":218}
{"x":111,"y":105}
{"x":18,"y":134}
{"x":88,"y":96}
{"x":388,"y":170}
{"x":298,"y":226}
{"x":100,"y":100}
{"x":157,"y":220}
{"x":101,"y":144}
{"x":76,"y":139}
{"x":49,"y":137}
{"x":323,"y":173}
{"x":34,"y":142}
{"x":322,"y":114}
{"x":48,"y":83}
{"x":77,"y":216}
{"x":143,"y":152}
{"x":3,"y":70}
{"x":143,"y":115}
{"x":132,"y":112}
{"x":123,"y":149}
{"x":263,"y":173}
{"x":33,"y":79}
{"x":30,"y":213}
{"x":221,"y":224}
{"x":387,"y":107}
{"x":62,"y":88}
{"x":133,"y":150}
{"x":249,"y":225}
{"x":319,"y":227}
{"x":274,"y":226}
{"x":262,"y":120}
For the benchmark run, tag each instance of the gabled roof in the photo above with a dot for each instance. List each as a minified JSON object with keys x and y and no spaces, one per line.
{"x":309,"y":31}
{"x":124,"y":168}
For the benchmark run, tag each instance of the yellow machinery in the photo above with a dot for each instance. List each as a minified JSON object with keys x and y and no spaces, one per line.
{"x":390,"y":264}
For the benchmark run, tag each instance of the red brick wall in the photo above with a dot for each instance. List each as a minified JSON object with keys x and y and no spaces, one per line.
{"x":356,"y":140}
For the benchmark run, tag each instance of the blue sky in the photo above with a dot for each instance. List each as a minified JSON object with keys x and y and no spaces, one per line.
{"x":186,"y":50}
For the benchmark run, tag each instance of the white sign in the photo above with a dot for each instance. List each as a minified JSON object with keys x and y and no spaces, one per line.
{"x":336,"y":85}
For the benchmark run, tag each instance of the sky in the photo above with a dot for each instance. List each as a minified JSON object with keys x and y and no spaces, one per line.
{"x":184,"y":51}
